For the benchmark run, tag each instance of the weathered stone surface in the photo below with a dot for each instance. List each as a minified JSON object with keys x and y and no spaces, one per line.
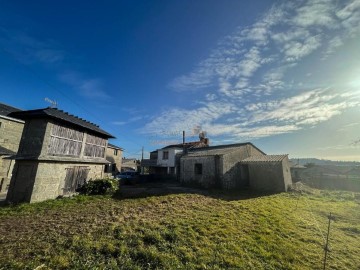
{"x":226,"y":170}
{"x":38,"y":181}
{"x":10,"y":135}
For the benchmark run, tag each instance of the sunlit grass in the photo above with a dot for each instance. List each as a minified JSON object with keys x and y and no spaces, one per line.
{"x":184,"y":231}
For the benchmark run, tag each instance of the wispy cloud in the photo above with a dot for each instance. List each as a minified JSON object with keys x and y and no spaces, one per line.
{"x":256,"y":120}
{"x":91,"y":88}
{"x":29,"y":50}
{"x":248,"y":94}
{"x":247,"y":51}
{"x":129,"y":121}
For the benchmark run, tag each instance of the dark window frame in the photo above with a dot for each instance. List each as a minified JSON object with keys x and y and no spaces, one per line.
{"x":198,"y":168}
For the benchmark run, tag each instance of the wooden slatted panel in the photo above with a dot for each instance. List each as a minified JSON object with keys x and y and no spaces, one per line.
{"x":75,"y":178}
{"x":95,"y":146}
{"x":65,"y":141}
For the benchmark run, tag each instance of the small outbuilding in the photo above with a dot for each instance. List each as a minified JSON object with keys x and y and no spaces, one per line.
{"x":235,"y":166}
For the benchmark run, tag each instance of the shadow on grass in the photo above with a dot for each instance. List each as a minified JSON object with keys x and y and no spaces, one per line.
{"x":162,"y":188}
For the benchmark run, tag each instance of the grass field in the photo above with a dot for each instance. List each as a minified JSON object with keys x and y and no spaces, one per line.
{"x":182,"y":231}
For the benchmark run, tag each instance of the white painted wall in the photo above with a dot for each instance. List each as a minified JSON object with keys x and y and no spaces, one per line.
{"x":170,"y":162}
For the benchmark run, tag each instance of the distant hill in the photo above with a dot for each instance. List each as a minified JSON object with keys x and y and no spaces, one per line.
{"x":303,"y":161}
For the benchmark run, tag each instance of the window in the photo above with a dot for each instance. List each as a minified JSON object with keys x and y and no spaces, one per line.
{"x":165,"y":155}
{"x":115,"y":152}
{"x":198,"y":168}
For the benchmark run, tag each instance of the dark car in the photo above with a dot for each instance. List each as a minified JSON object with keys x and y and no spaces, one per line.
{"x":127,"y":177}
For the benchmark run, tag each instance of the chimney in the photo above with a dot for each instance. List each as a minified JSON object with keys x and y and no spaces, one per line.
{"x":184,"y":148}
{"x":206,"y":141}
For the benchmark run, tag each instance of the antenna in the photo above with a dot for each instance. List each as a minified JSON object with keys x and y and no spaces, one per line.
{"x":52,"y":102}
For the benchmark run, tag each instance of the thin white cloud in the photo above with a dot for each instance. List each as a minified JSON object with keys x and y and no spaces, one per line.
{"x":247,"y":73}
{"x":295,"y":50}
{"x":90,"y":88}
{"x":316,"y":13}
{"x":28,"y":50}
{"x":129,"y":121}
{"x":256,"y":120}
{"x":307,"y":25}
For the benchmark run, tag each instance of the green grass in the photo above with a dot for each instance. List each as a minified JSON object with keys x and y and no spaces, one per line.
{"x":183,"y":231}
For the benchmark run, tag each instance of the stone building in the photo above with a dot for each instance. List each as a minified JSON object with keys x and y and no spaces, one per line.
{"x":129,"y":164}
{"x":57,"y":153}
{"x":114,"y":156}
{"x":166,"y":161}
{"x":10,"y":135}
{"x":235,"y":166}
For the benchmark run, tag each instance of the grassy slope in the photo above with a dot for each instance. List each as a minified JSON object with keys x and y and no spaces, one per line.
{"x":185,"y":231}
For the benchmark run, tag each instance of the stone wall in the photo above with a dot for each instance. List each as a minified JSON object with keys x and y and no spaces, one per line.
{"x":223,"y":171}
{"x":10,"y":133}
{"x":209,"y":175}
{"x":38,"y":181}
{"x":233,"y":174}
{"x":10,"y":136}
{"x":6,"y":168}
{"x":114,"y":159}
{"x":32,"y":141}
{"x":287,"y":173}
{"x":267,"y":176}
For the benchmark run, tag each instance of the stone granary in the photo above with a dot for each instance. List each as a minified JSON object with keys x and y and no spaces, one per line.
{"x":235,"y":166}
{"x":10,"y":135}
{"x":57,"y":153}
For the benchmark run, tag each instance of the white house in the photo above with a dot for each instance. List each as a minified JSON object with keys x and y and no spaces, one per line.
{"x":165,"y":161}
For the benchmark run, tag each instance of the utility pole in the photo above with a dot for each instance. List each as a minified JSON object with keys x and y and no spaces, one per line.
{"x":183,"y":142}
{"x":142,"y":158}
{"x":326,"y":247}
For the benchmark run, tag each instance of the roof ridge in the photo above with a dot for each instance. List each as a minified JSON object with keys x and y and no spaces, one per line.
{"x":62,"y":116}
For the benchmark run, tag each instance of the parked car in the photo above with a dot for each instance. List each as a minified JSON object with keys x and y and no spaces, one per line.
{"x":128,"y":176}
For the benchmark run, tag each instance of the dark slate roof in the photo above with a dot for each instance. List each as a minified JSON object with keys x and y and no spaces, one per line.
{"x":188,"y":145}
{"x":224,"y":146}
{"x":114,"y":146}
{"x":264,"y":158}
{"x":61,"y":116}
{"x":6,"y":109}
{"x":5,"y":151}
{"x":149,"y":163}
{"x":211,"y":152}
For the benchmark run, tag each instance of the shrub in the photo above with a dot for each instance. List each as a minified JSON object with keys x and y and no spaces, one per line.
{"x":99,"y":187}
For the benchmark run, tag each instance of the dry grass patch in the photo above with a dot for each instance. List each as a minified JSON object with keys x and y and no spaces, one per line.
{"x":183,"y":231}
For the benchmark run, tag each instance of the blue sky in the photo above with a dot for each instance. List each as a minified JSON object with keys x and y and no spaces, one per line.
{"x":284,"y":75}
